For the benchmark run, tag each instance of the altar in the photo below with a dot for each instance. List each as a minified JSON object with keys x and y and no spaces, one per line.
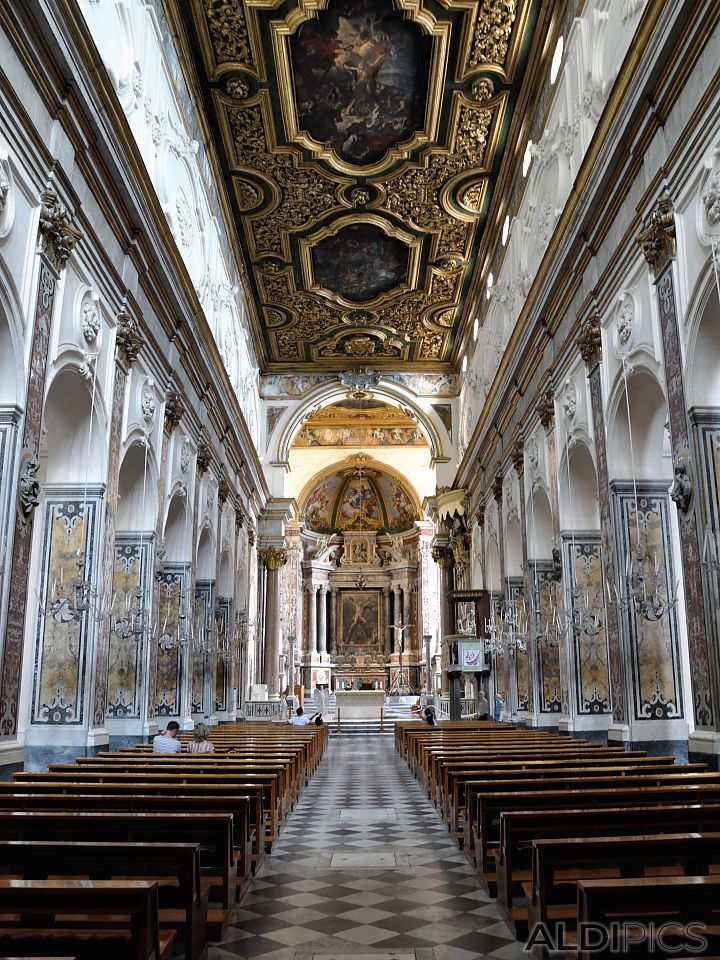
{"x":360,"y":704}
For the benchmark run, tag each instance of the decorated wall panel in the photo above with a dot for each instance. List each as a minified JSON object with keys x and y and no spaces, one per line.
{"x":224,"y":644}
{"x":203,"y":625}
{"x":652,"y":635}
{"x":172,"y":655}
{"x":515,"y":592}
{"x":63,"y":644}
{"x":127,"y":647}
{"x":546,"y":644}
{"x":589,"y":636}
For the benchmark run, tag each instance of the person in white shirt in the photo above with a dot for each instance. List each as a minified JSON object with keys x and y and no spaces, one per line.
{"x":299,"y":720}
{"x":167,"y":742}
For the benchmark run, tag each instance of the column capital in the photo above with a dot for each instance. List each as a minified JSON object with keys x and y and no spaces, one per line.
{"x":323,"y":588}
{"x":497,"y":488}
{"x":204,"y":456}
{"x":128,"y":340}
{"x":273,"y":557}
{"x":518,"y":457}
{"x":442,"y":556}
{"x":480,"y":515}
{"x":174,"y":409}
{"x":224,"y":490}
{"x":589,"y":342}
{"x":657,"y":241}
{"x":57,"y":236}
{"x":546,"y":409}
{"x":311,"y":587}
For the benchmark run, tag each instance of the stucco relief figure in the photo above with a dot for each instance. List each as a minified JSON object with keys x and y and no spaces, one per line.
{"x":681,"y":489}
{"x":28,"y":488}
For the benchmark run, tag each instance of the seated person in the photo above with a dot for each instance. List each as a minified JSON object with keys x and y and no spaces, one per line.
{"x":299,"y":720}
{"x":167,"y":742}
{"x":200,"y":742}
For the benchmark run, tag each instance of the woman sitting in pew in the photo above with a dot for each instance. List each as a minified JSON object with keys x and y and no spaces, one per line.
{"x":200,"y":742}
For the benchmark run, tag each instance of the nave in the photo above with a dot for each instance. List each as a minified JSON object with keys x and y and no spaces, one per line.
{"x":366,"y":868}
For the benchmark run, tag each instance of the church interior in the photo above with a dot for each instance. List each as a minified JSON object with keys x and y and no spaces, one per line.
{"x":359,"y":479}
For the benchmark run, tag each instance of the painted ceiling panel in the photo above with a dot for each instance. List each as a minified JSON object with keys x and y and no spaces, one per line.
{"x":361,"y":141}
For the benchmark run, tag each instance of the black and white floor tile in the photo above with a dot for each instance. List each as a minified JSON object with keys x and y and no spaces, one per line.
{"x":365,"y":869}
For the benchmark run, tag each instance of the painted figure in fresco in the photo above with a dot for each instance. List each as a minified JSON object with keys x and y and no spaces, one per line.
{"x":359,"y":70}
{"x":316,"y":508}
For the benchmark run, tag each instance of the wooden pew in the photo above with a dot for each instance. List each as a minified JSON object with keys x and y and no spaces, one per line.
{"x":559,"y":864}
{"x":552,"y":772}
{"x":234,"y":797}
{"x":270,"y":779}
{"x":657,"y":900}
{"x":88,"y":919}
{"x":183,"y":897}
{"x":520,"y":828}
{"x":211,"y":832}
{"x":491,"y":805}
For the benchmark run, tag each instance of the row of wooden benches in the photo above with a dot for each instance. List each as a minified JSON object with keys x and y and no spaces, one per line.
{"x":569,"y":834}
{"x":138,"y":855}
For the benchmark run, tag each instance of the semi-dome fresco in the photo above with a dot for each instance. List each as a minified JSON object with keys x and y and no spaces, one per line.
{"x":359,"y":498}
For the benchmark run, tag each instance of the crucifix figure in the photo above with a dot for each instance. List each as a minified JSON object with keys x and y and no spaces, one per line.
{"x":400,"y":686}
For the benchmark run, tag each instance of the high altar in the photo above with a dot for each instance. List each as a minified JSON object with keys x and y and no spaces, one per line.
{"x":362,"y":575}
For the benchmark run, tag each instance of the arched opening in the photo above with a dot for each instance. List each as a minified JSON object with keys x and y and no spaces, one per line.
{"x":205,"y":556}
{"x":578,"y":487}
{"x":513,"y":549}
{"x":540,"y":526}
{"x":492,"y":567}
{"x":74,"y":448}
{"x":177,"y":531}
{"x":704,"y":371}
{"x":647,"y":455}
{"x":137,"y":490}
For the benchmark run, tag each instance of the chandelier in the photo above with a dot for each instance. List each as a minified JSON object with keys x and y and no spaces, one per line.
{"x":506,"y":629}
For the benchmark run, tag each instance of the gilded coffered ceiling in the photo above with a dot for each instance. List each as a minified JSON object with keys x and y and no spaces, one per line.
{"x":361,"y":142}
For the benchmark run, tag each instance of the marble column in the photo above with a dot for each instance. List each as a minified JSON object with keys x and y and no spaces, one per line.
{"x":274,"y":559}
{"x":525,"y":662}
{"x":57,"y":239}
{"x":406,"y":613}
{"x":546,"y":411}
{"x":128,"y":344}
{"x":444,"y":558}
{"x":658,"y":246}
{"x":312,"y":619}
{"x":332,"y":634}
{"x":397,"y":616}
{"x":590,"y":345}
{"x":322,"y":619}
{"x":387,"y":608}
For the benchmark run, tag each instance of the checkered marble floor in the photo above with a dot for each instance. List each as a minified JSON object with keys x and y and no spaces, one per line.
{"x":365,"y":870}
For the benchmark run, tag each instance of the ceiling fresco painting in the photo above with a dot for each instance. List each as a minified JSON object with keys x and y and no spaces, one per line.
{"x":359,"y":423}
{"x":360,"y":262}
{"x":361,"y":142}
{"x":359,"y":72}
{"x":359,"y":498}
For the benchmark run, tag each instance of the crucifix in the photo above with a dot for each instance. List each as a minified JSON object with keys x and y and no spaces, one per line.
{"x":400,"y":686}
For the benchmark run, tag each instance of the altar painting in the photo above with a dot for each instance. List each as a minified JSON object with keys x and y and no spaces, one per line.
{"x":360,"y":622}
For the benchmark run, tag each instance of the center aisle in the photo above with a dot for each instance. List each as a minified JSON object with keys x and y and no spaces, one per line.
{"x":365,"y":868}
